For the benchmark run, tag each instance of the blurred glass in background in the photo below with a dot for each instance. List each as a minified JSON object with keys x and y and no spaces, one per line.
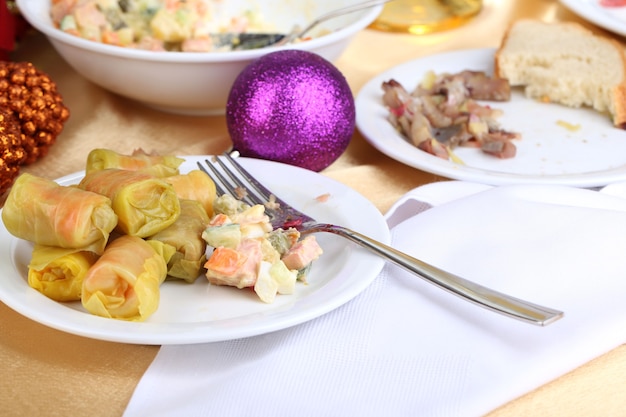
{"x":425,"y":16}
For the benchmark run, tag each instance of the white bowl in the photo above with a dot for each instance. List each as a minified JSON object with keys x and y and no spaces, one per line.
{"x":194,"y":83}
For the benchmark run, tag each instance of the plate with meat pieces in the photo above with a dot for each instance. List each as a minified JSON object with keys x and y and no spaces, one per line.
{"x":447,"y":114}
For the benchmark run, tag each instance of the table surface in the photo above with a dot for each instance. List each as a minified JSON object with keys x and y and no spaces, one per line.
{"x":47,"y":372}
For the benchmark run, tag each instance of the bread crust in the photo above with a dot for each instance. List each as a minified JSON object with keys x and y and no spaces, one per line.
{"x":619,"y":94}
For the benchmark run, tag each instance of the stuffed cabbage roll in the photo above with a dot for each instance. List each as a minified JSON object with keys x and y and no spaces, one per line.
{"x":157,"y":165}
{"x":41,"y":211}
{"x":186,"y":236}
{"x":58,"y":273}
{"x":124,"y":282}
{"x":143,"y":203}
{"x":195,"y":185}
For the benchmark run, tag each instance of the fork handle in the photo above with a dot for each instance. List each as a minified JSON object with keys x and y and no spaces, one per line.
{"x":483,"y":296}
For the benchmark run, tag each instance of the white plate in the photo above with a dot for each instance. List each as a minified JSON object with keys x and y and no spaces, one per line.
{"x":610,"y":18}
{"x":548,"y":153}
{"x":199,"y":312}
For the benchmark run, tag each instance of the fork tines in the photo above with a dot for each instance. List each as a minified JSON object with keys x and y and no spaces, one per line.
{"x":231,"y":178}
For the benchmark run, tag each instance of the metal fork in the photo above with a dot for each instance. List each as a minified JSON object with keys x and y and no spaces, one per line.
{"x":233,"y":179}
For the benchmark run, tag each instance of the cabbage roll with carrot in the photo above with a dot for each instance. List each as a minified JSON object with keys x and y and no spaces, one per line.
{"x":58,"y":273}
{"x":41,"y":211}
{"x":195,"y":185}
{"x":124,"y":282}
{"x":186,"y":236}
{"x":158,"y":165}
{"x":143,"y":203}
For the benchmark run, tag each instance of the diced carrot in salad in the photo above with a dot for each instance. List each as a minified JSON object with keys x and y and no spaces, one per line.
{"x":236,"y":267}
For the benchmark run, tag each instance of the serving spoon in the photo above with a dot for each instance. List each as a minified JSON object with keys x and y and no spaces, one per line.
{"x":245,"y":41}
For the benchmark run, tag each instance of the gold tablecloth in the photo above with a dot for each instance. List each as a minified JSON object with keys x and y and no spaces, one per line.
{"x":46,"y":372}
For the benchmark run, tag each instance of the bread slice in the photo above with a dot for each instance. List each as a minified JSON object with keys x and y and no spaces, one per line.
{"x":565,"y":63}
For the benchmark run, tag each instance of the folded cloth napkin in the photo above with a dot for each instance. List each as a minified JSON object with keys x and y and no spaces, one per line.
{"x":404,"y":347}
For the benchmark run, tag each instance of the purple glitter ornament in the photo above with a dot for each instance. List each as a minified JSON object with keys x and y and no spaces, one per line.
{"x":293,"y":107}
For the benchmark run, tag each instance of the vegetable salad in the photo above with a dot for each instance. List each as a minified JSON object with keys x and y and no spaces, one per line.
{"x":248,"y":253}
{"x":155,"y":25}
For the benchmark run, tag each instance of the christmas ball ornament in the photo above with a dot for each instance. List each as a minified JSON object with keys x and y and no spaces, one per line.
{"x":291,"y":106}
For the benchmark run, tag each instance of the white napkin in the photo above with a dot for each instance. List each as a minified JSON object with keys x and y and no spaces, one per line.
{"x":406,"y":348}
